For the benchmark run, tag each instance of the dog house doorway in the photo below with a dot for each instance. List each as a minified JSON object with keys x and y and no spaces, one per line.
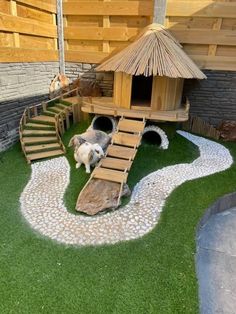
{"x":141,"y":93}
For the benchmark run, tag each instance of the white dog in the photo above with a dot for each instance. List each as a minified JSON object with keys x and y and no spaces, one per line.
{"x":88,"y":154}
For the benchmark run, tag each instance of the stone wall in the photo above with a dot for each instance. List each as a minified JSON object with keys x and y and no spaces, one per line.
{"x":213,"y":99}
{"x":21,"y":85}
{"x":86,"y":71}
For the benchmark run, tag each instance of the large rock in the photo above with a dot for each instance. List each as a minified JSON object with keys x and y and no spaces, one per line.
{"x":228,"y":130}
{"x":100,"y":195}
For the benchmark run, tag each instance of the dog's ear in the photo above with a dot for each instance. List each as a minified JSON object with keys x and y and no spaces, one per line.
{"x":76,"y":141}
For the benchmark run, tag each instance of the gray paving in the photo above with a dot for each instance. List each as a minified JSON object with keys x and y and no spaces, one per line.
{"x":216,"y":264}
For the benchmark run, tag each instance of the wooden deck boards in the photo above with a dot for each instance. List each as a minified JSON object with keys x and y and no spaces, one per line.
{"x":105,"y":106}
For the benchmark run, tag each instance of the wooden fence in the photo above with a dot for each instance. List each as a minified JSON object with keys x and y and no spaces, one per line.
{"x":28,"y":31}
{"x":207,"y":29}
{"x":93,"y":29}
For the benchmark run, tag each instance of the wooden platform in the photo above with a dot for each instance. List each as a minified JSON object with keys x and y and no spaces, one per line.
{"x":105,"y":106}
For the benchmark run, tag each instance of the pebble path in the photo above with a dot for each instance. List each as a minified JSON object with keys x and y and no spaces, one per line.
{"x":43,"y":207}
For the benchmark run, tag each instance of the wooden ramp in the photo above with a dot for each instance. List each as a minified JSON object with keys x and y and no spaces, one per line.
{"x":120,"y":154}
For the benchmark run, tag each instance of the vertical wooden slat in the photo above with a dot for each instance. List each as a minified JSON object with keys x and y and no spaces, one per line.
{"x":107,"y":24}
{"x":126,"y":91}
{"x":216,"y":26}
{"x":16,"y":36}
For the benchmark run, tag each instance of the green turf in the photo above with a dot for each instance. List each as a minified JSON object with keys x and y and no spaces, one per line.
{"x":154,"y":274}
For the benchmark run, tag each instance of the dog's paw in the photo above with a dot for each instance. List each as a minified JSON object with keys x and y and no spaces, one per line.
{"x":77,"y":166}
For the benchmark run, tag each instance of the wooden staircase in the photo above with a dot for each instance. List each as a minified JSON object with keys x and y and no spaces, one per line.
{"x":41,"y":128}
{"x":120,"y":153}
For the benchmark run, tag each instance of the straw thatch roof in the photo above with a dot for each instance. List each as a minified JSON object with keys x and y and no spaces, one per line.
{"x":154,"y":52}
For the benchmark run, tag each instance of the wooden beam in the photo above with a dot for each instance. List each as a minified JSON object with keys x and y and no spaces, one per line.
{"x":16,"y":36}
{"x":45,"y":5}
{"x":215,"y":62}
{"x":106,"y":24}
{"x":27,"y":55}
{"x":9,"y":23}
{"x":85,"y":56}
{"x":128,"y":8}
{"x":100,"y":33}
{"x":201,"y":8}
{"x":205,"y":36}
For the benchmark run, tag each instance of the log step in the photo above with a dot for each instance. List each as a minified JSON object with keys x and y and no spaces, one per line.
{"x":42,"y":147}
{"x":55,"y":109}
{"x":44,"y":119}
{"x":38,"y":126}
{"x":115,"y":163}
{"x":41,"y":139}
{"x":121,"y":152}
{"x":47,"y":154}
{"x":110,"y":175}
{"x":126,"y":139}
{"x":132,"y":126}
{"x":38,"y":133}
{"x":49,"y":113}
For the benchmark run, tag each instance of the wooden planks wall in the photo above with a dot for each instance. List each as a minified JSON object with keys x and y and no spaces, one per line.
{"x":95,"y":28}
{"x":28,"y":31}
{"x":206,"y":28}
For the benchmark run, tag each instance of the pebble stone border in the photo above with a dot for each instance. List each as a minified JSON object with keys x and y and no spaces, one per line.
{"x":43,"y":207}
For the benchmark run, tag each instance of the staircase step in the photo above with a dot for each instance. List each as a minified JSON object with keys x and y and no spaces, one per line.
{"x":110,"y":175}
{"x":55,"y":109}
{"x":115,"y":163}
{"x":42,"y":147}
{"x":70,"y":100}
{"x":44,"y":120}
{"x":40,"y":140}
{"x":47,"y":154}
{"x":38,"y":132}
{"x":132,"y":126}
{"x":62,"y":106}
{"x":126,"y":139}
{"x":121,"y":152}
{"x":38,"y":126}
{"x":49,"y":113}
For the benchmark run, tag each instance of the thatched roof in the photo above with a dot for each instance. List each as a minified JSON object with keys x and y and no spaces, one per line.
{"x":154,"y":52}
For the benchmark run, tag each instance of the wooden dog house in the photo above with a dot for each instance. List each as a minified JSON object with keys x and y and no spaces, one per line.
{"x":148,"y":78}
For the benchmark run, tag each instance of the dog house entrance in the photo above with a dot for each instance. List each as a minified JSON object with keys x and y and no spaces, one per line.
{"x":141,"y":91}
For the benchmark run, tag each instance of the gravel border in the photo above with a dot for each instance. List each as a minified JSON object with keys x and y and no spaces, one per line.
{"x":43,"y":207}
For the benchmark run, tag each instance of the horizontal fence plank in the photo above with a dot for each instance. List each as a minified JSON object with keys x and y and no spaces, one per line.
{"x":100,"y":33}
{"x":217,"y":37}
{"x":9,"y":23}
{"x":45,"y":5}
{"x":204,"y":62}
{"x":201,"y":9}
{"x":27,"y":55}
{"x":130,"y":8}
{"x":215,"y":62}
{"x":85,"y":56}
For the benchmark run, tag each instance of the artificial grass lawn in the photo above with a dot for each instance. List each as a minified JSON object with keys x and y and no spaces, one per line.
{"x":154,"y":274}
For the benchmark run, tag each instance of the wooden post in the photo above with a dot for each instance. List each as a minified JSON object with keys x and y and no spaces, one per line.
{"x":159,"y":12}
{"x":60,"y":32}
